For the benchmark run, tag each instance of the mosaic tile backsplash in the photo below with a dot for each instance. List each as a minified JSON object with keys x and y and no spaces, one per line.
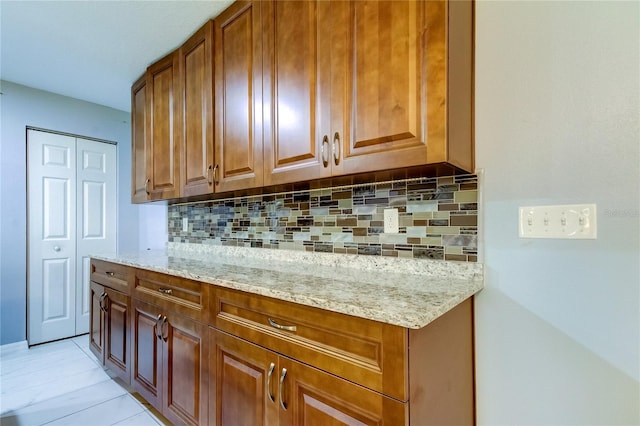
{"x":438,"y":219}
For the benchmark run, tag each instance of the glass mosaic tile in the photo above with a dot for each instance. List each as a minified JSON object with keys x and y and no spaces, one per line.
{"x":438,"y":219}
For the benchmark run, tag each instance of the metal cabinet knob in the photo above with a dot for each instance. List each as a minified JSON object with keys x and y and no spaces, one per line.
{"x":57,"y":248}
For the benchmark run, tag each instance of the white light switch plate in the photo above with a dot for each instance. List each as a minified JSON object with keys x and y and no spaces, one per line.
{"x":573,"y":221}
{"x":185,"y":224}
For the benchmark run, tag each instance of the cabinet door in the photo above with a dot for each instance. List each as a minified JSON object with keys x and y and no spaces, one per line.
{"x":96,"y":321}
{"x":117,"y":334}
{"x":379,"y":86}
{"x":297,"y":88}
{"x":146,"y":375}
{"x":244,"y":382}
{"x":196,"y":83}
{"x":186,"y":380}
{"x":163,"y":116}
{"x":238,"y":97}
{"x":313,"y":397}
{"x":138,"y":141}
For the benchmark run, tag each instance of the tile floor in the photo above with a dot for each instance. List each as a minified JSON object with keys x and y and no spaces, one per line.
{"x":61,"y":383}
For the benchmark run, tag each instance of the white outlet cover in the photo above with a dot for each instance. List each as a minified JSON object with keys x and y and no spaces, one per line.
{"x":391,"y":221}
{"x":570,"y":221}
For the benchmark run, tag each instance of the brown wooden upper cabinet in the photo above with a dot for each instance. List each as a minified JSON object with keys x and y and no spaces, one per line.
{"x":163,"y":130}
{"x":196,"y":91}
{"x":155,"y":139}
{"x":302,"y":90}
{"x":238,"y":97}
{"x":361,"y":86}
{"x":172,"y":123}
{"x":138,"y":140}
{"x":297,"y":90}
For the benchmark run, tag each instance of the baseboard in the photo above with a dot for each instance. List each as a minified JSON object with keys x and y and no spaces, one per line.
{"x":14,"y":347}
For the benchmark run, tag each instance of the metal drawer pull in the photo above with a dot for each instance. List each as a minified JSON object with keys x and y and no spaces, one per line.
{"x":272,"y":323}
{"x":336,"y":150}
{"x":103,"y":296}
{"x":165,"y":290}
{"x":325,"y":153}
{"x":210,"y":174}
{"x":109,"y":273}
{"x":160,"y":323}
{"x":164,"y":322}
{"x":282,"y":376}
{"x":271,"y":368}
{"x":158,"y":329}
{"x":215,"y":174}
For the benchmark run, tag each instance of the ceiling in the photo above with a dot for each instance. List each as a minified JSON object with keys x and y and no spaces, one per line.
{"x":93,"y":50}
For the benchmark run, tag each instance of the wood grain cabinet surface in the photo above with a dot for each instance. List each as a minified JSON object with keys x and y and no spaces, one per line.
{"x":169,"y":363}
{"x":155,"y":138}
{"x":277,"y":92}
{"x":339,"y":367}
{"x":256,"y":386}
{"x":163,"y":138}
{"x":238,"y":97}
{"x":196,"y":92}
{"x":172,"y":123}
{"x":109,"y":335}
{"x":366,"y":86}
{"x":170,"y":345}
{"x":356,"y":349}
{"x":297,"y":90}
{"x":96,"y":321}
{"x":139,"y":185}
{"x":204,"y":354}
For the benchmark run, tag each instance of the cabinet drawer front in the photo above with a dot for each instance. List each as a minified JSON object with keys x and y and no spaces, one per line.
{"x":112,"y":275}
{"x":366,"y":352}
{"x":177,"y":294}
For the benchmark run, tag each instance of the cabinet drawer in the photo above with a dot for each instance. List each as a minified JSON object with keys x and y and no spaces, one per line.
{"x":113,"y":275}
{"x":370,"y":353}
{"x":177,"y":294}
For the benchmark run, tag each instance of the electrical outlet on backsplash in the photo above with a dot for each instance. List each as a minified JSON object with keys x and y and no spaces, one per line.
{"x":438,"y":219}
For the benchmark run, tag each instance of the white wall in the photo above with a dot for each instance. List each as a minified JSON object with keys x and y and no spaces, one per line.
{"x":21,"y":107}
{"x":558,"y":122}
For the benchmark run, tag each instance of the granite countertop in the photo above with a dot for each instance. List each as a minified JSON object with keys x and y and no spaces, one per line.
{"x":364,"y":286}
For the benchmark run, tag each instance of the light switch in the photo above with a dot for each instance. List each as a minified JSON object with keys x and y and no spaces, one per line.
{"x":573,"y":221}
{"x":185,"y":224}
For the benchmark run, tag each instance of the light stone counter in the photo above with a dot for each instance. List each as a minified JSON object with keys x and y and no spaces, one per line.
{"x":404,"y":292}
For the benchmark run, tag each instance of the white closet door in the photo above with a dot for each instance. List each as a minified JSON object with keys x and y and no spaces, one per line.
{"x":72,"y":215}
{"x":96,"y":216}
{"x":52,"y":236}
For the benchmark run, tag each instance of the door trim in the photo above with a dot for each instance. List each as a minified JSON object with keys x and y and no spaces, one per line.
{"x":73,"y":135}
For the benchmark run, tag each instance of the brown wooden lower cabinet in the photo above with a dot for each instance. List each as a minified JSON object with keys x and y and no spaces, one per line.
{"x":96,"y":321}
{"x":245,"y":359}
{"x":109,"y":332}
{"x":169,"y":363}
{"x":243,"y":385}
{"x":254,"y":386}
